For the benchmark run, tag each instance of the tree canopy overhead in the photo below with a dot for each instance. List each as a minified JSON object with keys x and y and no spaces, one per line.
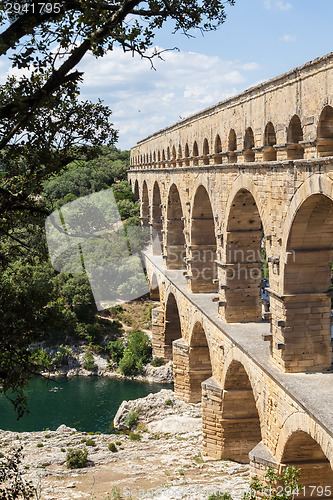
{"x":44,"y":128}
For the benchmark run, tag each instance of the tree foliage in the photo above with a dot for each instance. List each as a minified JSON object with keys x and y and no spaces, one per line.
{"x":46,"y":130}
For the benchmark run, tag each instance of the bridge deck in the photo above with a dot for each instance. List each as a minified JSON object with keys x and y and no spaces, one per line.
{"x":312,"y":391}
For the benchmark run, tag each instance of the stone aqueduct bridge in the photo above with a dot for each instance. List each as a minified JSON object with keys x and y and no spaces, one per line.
{"x":254,"y":172}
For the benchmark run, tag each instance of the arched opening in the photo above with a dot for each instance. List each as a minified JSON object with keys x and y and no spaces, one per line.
{"x":154,"y":288}
{"x":195,"y":153}
{"x":163,"y":158}
{"x":187,"y":155}
{"x":179,"y":152}
{"x":154,"y":157}
{"x":295,"y":150}
{"x":145,"y":205}
{"x":242,"y":275}
{"x":325,"y":133}
{"x":232,"y":146}
{"x":192,"y":365}
{"x":202,"y":266}
{"x":218,"y":150}
{"x":205,"y":151}
{"x":172,"y":327}
{"x":240,"y":418}
{"x":156,"y":228}
{"x":249,"y":145}
{"x":175,"y":238}
{"x":307,"y":281}
{"x":150,"y":157}
{"x":158,"y":157}
{"x":136,"y":190}
{"x":269,"y":142}
{"x":304,"y":453}
{"x":173,"y":156}
{"x":168,"y":154}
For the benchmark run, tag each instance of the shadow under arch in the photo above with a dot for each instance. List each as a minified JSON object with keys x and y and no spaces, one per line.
{"x":295,"y":150}
{"x":202,"y":266}
{"x":242,"y":274}
{"x":145,"y":205}
{"x":325,"y":133}
{"x":241,"y":428}
{"x":136,"y":190}
{"x":304,"y":453}
{"x":156,"y":228}
{"x":172,"y":326}
{"x":175,"y":238}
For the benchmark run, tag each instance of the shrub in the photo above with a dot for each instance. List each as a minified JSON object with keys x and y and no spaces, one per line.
{"x":40,"y":445}
{"x":220,"y":496}
{"x":48,"y":436}
{"x":76,"y":459}
{"x":168,"y":402}
{"x":128,"y":365}
{"x":12,"y":484}
{"x":118,"y":443}
{"x":112,"y":447}
{"x":88,"y":361}
{"x":90,"y":442}
{"x":131,"y":418}
{"x":116,"y":348}
{"x":157,"y":361}
{"x":137,"y":352}
{"x":134,"y":436}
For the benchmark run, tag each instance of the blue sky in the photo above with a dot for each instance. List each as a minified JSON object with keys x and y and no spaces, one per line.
{"x":259,"y":40}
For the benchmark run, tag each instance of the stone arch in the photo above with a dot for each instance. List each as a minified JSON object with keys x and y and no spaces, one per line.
{"x":174,"y":153}
{"x":192,"y":364}
{"x":172,"y":325}
{"x":168,"y":154}
{"x":156,"y":228}
{"x":249,"y":145}
{"x":269,"y":143}
{"x":203,"y":244}
{"x":187,"y":155}
{"x":195,"y":153}
{"x":136,"y":190}
{"x":205,"y":152}
{"x":300,"y":421}
{"x":241,"y":299}
{"x":240,"y":416}
{"x":145,"y":205}
{"x":175,"y":238}
{"x":307,"y":278}
{"x":304,"y":452}
{"x":158,"y":156}
{"x":295,"y":150}
{"x":325,"y":132}
{"x":163,"y":156}
{"x":218,"y":150}
{"x":232,"y":146}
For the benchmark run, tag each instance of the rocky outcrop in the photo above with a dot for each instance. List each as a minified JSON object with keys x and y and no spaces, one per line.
{"x":156,"y":407}
{"x":165,"y":463}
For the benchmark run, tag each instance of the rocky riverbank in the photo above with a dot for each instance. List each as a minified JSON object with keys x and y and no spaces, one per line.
{"x":162,"y":460}
{"x":74,"y":366}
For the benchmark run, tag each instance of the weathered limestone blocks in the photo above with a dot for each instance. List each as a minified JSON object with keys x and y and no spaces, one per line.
{"x":158,"y":340}
{"x":301,"y":332}
{"x":190,"y":369}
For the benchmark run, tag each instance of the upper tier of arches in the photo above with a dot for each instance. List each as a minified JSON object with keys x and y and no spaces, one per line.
{"x":239,"y":146}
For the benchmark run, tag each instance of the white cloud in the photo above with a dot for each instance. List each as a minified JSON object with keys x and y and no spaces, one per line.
{"x":281,"y":5}
{"x":288,"y":38}
{"x":144,"y":101}
{"x":284,"y":5}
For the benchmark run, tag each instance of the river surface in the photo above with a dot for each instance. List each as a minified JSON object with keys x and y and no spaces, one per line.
{"x":86,"y":403}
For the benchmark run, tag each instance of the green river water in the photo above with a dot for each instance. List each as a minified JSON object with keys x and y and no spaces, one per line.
{"x":86,"y":403}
